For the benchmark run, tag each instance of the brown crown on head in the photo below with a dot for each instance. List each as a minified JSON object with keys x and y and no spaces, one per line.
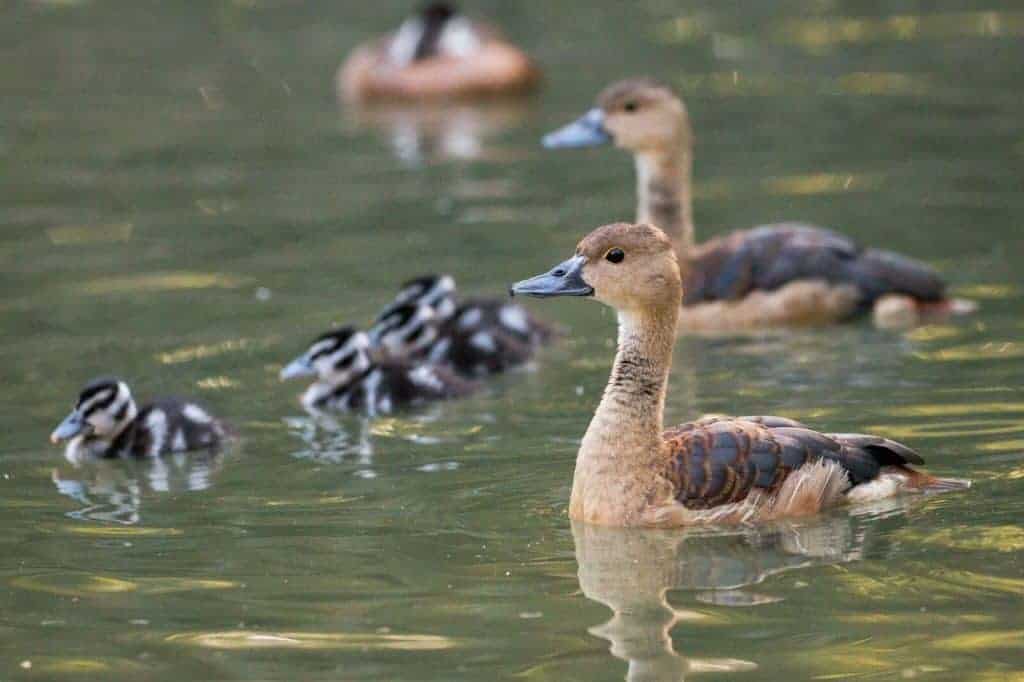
{"x":640,"y":89}
{"x":639,"y":238}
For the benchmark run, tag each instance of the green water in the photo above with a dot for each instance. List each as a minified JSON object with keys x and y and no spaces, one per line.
{"x":183,"y":203}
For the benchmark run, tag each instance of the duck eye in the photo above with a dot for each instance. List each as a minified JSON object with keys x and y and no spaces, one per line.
{"x":614,"y":255}
{"x":630,"y":106}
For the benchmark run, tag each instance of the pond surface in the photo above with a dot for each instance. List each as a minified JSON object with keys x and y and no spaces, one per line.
{"x":184,"y":203}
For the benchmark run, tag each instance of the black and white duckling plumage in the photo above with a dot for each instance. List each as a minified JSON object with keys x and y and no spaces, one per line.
{"x":349,"y":379}
{"x":476,"y":337}
{"x":106,"y":422}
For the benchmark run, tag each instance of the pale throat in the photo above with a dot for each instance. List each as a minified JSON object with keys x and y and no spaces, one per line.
{"x":664,"y":194}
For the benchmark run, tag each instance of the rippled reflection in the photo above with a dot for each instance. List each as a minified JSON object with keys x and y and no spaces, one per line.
{"x":113,"y":491}
{"x":242,"y":639}
{"x":631,"y":572}
{"x":335,"y":437}
{"x":428,"y":132}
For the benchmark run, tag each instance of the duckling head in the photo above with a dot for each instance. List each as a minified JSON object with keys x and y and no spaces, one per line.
{"x":405,"y":329}
{"x":104,"y":407}
{"x":436,"y":291}
{"x":335,"y":357}
{"x":625,"y":266}
{"x":639,"y":114}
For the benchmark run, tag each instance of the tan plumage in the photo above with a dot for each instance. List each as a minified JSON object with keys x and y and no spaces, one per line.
{"x":631,"y":472}
{"x":437,"y":53}
{"x":772,"y":275}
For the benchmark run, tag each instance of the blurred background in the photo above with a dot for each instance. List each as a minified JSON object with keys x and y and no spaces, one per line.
{"x":184,"y":202}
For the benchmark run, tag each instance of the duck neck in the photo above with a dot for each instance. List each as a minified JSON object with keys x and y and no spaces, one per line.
{"x":664,"y":194}
{"x":617,"y":467}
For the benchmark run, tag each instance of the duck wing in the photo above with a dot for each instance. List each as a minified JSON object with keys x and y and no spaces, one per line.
{"x":722,"y":460}
{"x":770,"y":256}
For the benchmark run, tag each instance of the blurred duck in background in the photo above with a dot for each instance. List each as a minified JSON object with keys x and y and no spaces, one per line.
{"x":106,"y":422}
{"x":475,"y":336}
{"x":350,"y":379}
{"x":772,"y":275}
{"x":436,"y":53}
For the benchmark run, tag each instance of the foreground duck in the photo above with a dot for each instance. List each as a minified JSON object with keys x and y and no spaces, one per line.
{"x":629,"y":472}
{"x":349,"y":379}
{"x":439,"y":52}
{"x":106,"y":422}
{"x":781,"y":274}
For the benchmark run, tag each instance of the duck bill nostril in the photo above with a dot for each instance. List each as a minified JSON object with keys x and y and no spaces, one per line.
{"x":565,"y":279}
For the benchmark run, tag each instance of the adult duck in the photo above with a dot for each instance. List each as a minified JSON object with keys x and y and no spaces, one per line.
{"x":631,"y":472}
{"x":772,"y":275}
{"x":438,"y":52}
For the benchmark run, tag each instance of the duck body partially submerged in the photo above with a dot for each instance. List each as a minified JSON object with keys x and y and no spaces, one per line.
{"x":438,"y":53}
{"x":475,"y":337}
{"x":772,"y":275}
{"x":630,"y":471}
{"x":106,"y":423}
{"x":349,"y":379}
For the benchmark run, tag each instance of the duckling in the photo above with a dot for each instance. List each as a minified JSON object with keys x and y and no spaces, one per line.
{"x":631,"y":472}
{"x":476,"y":337}
{"x":105,"y":422}
{"x":437,"y":53}
{"x":772,"y":275}
{"x":348,"y":379}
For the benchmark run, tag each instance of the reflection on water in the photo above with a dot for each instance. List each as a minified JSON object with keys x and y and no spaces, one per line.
{"x":113,"y":490}
{"x":438,"y":131}
{"x":632,"y":571}
{"x":333,"y":437}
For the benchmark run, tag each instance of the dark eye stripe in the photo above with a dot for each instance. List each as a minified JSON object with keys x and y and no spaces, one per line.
{"x":345,"y":361}
{"x":415,"y":334}
{"x":102,"y":404}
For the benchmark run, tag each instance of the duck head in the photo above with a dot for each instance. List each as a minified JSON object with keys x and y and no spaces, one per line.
{"x":639,"y":114}
{"x":405,"y":330}
{"x":625,"y":266}
{"x":335,"y":357}
{"x":104,"y":407}
{"x":435,"y":291}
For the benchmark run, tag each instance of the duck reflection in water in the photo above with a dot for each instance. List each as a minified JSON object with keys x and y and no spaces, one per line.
{"x":113,"y":491}
{"x":438,"y":131}
{"x":330,"y":437}
{"x":631,"y":572}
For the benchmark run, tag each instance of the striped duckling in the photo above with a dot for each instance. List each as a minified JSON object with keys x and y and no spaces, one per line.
{"x":476,"y":337}
{"x":106,"y":422}
{"x":350,"y":379}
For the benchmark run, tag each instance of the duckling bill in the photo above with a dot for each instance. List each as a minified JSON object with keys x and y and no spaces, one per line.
{"x":106,"y":422}
{"x":630,"y":471}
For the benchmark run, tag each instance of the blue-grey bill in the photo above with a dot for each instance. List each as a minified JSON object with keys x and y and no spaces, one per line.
{"x":586,"y":131}
{"x":565,"y":279}
{"x":300,"y":367}
{"x":72,"y":425}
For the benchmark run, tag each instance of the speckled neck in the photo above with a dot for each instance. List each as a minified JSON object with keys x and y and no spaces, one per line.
{"x":617,"y":466}
{"x":664,"y":195}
